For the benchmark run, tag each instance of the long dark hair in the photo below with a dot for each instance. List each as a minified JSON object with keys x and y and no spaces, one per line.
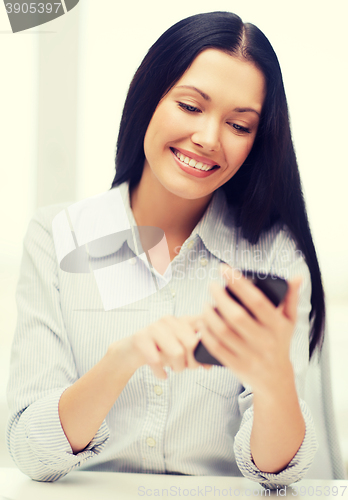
{"x":267,"y":187}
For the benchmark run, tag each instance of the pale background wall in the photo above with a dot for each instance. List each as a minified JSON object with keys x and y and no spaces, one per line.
{"x":63,"y":86}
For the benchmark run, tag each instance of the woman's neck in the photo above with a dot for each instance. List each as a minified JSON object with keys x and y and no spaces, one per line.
{"x":153,"y":205}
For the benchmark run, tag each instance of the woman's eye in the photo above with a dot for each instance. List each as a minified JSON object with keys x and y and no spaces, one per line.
{"x":187,"y":107}
{"x":239,"y":128}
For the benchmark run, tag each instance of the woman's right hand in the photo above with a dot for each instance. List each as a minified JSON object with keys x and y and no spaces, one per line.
{"x":83,"y":406}
{"x":170,"y":342}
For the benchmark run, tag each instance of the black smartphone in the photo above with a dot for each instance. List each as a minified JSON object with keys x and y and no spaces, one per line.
{"x":272,"y":286}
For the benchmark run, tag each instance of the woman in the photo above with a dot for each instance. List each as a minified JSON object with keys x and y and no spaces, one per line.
{"x":205,"y":154}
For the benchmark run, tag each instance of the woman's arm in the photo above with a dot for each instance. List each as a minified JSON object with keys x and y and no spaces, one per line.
{"x":278,"y":427}
{"x":257,"y":350}
{"x":83,"y":406}
{"x":42,"y":364}
{"x":50,"y":405}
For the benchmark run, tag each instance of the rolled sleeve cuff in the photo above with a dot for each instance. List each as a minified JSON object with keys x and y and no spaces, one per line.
{"x":294,"y":471}
{"x":48,"y":442}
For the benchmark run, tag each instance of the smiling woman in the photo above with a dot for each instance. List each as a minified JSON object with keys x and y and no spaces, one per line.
{"x":205,"y":154}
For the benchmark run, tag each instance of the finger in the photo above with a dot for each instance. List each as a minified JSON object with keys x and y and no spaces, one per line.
{"x":188,"y":338}
{"x":252,"y":298}
{"x":184,"y":335}
{"x":172,"y":350}
{"x":147,"y":348}
{"x":213,"y":345}
{"x":234,"y":314}
{"x":158,"y":371}
{"x":290,"y":303}
{"x":192,"y":320}
{"x":225,"y":335}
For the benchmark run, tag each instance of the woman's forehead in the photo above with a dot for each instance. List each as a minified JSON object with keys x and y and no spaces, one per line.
{"x":217,"y":76}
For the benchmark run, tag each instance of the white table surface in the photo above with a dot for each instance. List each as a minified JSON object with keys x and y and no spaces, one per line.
{"x":112,"y":485}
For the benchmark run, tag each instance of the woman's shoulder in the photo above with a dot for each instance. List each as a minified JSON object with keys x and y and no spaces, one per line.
{"x":81,"y":213}
{"x":45,"y":215}
{"x":39,"y":231}
{"x":63,"y":229}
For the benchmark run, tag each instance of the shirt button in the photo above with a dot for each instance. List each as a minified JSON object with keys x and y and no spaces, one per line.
{"x":173,"y":292}
{"x":151,"y":442}
{"x":158,"y":390}
{"x":203,"y":261}
{"x":132,"y":261}
{"x":190,"y":244}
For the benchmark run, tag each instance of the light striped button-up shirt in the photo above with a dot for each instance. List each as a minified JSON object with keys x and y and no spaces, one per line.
{"x":196,"y":422}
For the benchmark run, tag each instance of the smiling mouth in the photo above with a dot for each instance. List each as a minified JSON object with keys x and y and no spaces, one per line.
{"x":186,"y":160}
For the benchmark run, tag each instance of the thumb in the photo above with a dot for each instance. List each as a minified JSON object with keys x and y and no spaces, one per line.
{"x":290,"y":303}
{"x":193,"y":320}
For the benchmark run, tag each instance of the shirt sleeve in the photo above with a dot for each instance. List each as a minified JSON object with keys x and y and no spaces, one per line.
{"x":42,"y":366}
{"x":299,"y":356}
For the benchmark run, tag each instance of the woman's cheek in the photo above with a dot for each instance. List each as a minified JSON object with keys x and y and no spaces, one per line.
{"x":238,"y":150}
{"x":245,"y":148}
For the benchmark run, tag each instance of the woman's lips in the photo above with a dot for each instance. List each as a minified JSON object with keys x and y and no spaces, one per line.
{"x":198,"y":158}
{"x":192,"y":170}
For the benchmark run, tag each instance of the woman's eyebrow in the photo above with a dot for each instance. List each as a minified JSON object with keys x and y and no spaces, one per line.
{"x":245,"y":110}
{"x":207,"y":98}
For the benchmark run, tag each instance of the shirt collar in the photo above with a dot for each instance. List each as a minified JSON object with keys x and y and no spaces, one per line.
{"x":216,"y":229}
{"x":124,"y":190}
{"x":132,"y":237}
{"x":112,"y":243}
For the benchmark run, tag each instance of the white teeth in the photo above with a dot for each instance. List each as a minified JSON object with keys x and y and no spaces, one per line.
{"x":193,"y":163}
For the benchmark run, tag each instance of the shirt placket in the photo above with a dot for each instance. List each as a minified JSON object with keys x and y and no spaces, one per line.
{"x":157,"y":395}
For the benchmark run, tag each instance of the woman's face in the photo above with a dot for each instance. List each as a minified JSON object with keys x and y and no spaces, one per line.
{"x":204,"y":128}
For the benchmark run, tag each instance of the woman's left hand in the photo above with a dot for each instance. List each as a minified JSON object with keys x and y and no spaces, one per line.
{"x":255,"y":348}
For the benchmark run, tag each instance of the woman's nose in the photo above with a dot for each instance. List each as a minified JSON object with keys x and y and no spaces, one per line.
{"x":208,"y":136}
